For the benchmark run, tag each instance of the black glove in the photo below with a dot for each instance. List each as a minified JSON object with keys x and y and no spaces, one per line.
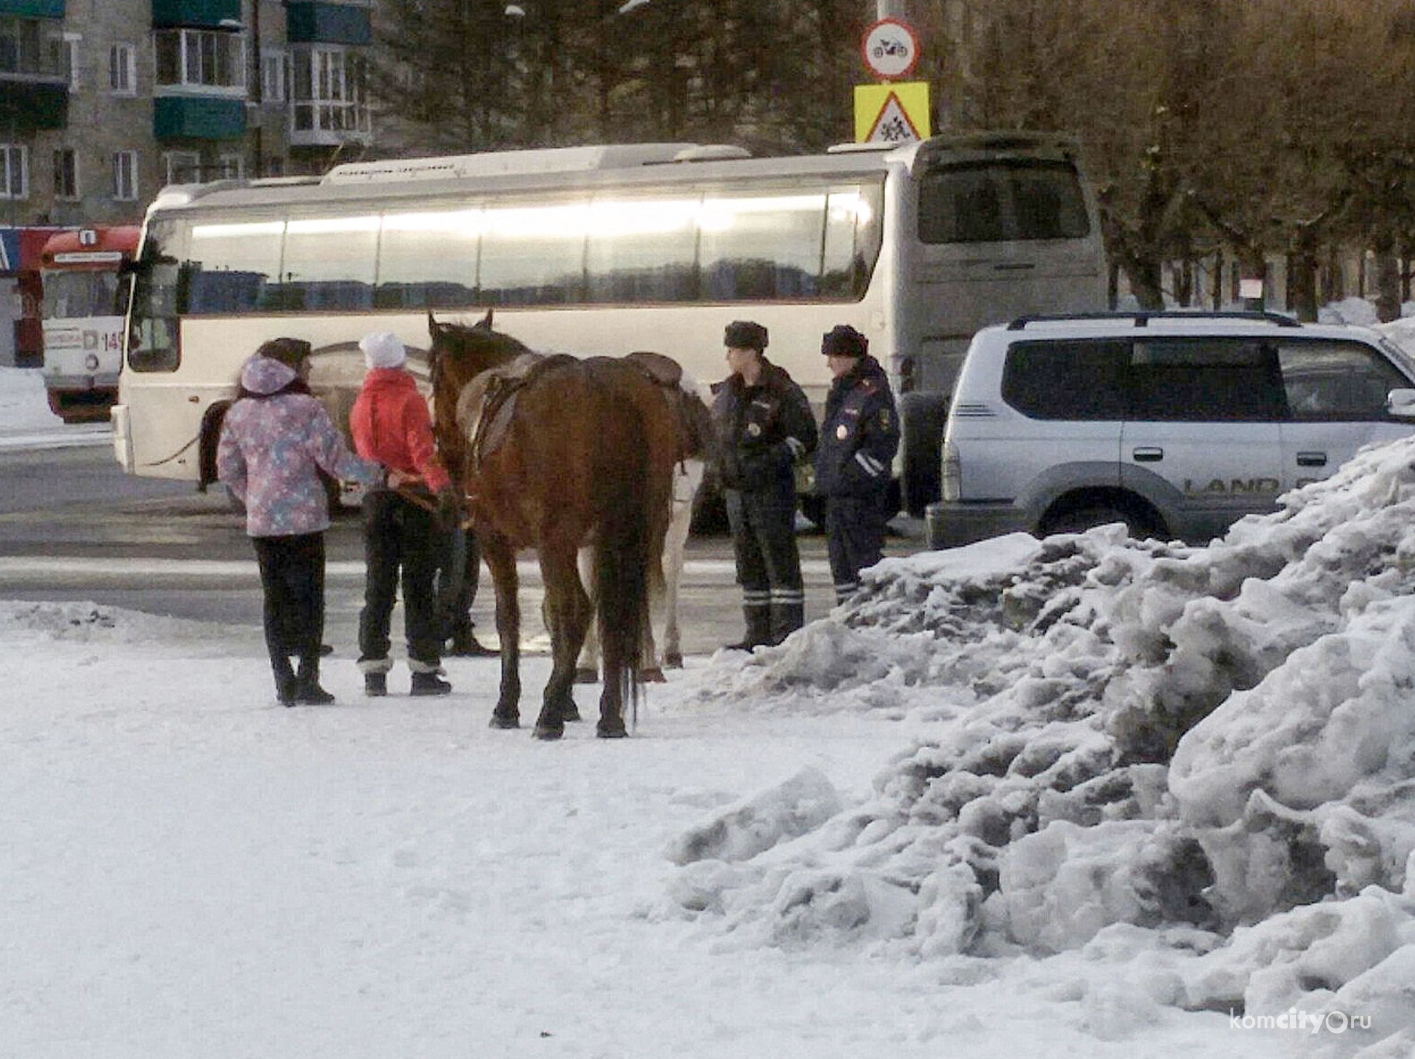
{"x":449,"y":511}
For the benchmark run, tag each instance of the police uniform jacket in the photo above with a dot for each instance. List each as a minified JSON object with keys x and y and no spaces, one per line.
{"x":762,"y":430}
{"x":860,"y":435}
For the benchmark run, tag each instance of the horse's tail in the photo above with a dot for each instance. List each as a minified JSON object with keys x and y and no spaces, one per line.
{"x":624,"y":555}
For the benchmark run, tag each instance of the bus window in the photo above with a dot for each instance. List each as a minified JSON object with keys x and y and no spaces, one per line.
{"x":328,"y":264}
{"x":157,"y":283}
{"x":764,"y":245}
{"x":642,"y":250}
{"x":991,"y":202}
{"x":852,"y":241}
{"x":427,"y":259}
{"x":232,"y":265}
{"x":534,"y":254}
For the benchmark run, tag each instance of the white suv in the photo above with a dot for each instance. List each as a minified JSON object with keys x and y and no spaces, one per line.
{"x":1175,"y":423}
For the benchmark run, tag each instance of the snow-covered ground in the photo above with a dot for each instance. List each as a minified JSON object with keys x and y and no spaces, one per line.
{"x":1078,"y":797}
{"x":27,"y":422}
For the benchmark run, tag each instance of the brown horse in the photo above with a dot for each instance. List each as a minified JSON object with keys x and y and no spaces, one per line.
{"x":552,"y":453}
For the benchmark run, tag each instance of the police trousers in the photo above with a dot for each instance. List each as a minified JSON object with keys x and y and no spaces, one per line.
{"x":854,"y":534}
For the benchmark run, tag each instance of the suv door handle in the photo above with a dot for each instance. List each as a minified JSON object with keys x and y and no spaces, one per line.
{"x":1311,"y":459}
{"x":1147,"y":455}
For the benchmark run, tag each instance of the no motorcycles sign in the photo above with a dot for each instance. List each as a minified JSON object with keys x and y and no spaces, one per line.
{"x":890,"y":49}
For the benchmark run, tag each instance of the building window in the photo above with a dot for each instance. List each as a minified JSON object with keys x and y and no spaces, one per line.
{"x":122,"y":70}
{"x":14,"y":171}
{"x":181,"y":167}
{"x":125,"y":175}
{"x":31,"y":46}
{"x":230,"y":167}
{"x":274,"y":77}
{"x":66,"y":173}
{"x":71,"y":59}
{"x":200,"y":58}
{"x":329,"y":91}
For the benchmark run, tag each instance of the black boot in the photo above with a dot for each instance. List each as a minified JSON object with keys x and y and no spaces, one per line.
{"x":758,"y":629}
{"x":307,"y":689}
{"x":786,"y":618}
{"x":286,"y":686}
{"x":466,"y":645}
{"x":429,"y":684}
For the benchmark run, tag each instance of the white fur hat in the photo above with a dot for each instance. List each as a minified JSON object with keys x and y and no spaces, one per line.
{"x":383,"y":349}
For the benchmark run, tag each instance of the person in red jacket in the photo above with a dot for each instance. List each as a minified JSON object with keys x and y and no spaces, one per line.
{"x":403,"y":533}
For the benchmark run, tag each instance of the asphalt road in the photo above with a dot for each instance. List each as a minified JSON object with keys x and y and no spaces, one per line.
{"x":74,"y":527}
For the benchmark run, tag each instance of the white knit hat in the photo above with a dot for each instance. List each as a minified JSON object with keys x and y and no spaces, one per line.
{"x":382,"y":349}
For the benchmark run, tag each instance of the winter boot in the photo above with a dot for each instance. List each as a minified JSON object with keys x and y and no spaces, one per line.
{"x":429,"y":684}
{"x":376,"y":685}
{"x":286,"y":686}
{"x":307,"y":689}
{"x":758,"y":629}
{"x":466,"y":645}
{"x":786,"y":618}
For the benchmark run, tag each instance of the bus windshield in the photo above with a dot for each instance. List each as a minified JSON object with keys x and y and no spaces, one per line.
{"x":72,"y":295}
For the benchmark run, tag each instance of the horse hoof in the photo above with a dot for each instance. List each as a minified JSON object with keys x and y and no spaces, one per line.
{"x":549,"y":731}
{"x":501,"y":720}
{"x":673,"y":660}
{"x":586,"y":675}
{"x":570,"y":712}
{"x":652,"y":675}
{"x":604,"y":731}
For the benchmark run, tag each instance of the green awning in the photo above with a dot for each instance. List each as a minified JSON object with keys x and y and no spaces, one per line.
{"x":207,"y":14}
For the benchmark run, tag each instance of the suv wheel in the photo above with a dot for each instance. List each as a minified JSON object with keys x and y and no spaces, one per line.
{"x":1080,"y":519}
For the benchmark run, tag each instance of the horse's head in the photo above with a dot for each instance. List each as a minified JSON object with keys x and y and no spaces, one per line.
{"x":459,"y":353}
{"x":699,"y":431}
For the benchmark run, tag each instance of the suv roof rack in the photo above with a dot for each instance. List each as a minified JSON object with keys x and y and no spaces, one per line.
{"x":1143,"y":318}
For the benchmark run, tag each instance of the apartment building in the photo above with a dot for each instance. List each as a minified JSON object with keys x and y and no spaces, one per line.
{"x":102,"y":102}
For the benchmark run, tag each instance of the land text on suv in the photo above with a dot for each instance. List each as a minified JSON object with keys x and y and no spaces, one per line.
{"x":1175,"y":423}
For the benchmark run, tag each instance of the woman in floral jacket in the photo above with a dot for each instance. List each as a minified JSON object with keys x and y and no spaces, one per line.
{"x":274,"y":441}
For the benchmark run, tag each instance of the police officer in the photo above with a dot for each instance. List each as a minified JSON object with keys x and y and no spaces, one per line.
{"x":765,"y":426}
{"x":858,"y":442}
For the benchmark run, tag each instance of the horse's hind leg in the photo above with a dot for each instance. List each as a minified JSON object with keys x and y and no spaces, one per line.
{"x":675,"y":545}
{"x":501,"y":560}
{"x":587,"y":668}
{"x":567,"y":610}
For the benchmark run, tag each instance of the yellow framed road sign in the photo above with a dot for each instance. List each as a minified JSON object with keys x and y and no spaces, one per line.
{"x":892,"y":113}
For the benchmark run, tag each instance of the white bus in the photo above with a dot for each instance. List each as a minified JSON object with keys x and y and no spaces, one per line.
{"x":83,"y":318}
{"x":604,"y":250}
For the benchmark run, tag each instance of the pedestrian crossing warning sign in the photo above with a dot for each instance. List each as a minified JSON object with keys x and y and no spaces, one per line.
{"x":897,"y":113}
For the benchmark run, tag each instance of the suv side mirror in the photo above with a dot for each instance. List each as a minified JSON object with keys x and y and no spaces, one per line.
{"x":1401,"y":403}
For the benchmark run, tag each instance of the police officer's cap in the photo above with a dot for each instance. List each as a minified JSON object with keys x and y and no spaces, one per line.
{"x":842,"y":340}
{"x":745,"y":334}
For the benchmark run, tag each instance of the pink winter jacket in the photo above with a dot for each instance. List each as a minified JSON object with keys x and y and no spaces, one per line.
{"x":271,"y":446}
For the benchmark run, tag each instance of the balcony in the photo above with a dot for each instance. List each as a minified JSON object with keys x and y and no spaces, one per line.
{"x":198,"y":118}
{"x":208,"y":14}
{"x":314,"y":22}
{"x":30,"y":104}
{"x":33,"y":8}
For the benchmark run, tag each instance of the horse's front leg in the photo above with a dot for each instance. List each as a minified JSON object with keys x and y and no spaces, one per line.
{"x":567,"y":611}
{"x":675,"y":548}
{"x":501,"y":561}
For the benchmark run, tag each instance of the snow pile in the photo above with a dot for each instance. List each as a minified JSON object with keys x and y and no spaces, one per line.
{"x":36,"y":624}
{"x":1214,"y":744}
{"x":24,"y":404}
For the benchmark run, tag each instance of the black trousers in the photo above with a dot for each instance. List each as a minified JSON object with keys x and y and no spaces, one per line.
{"x":854,"y":534}
{"x":402,"y":543}
{"x":292,"y":579}
{"x":457,"y":577}
{"x":768,"y":561}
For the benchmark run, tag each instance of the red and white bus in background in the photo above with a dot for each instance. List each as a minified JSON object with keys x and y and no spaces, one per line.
{"x":83,"y":318}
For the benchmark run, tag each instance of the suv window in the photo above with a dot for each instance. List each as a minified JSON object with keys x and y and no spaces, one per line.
{"x":1067,"y":380}
{"x":1337,"y":380}
{"x":1206,"y":379}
